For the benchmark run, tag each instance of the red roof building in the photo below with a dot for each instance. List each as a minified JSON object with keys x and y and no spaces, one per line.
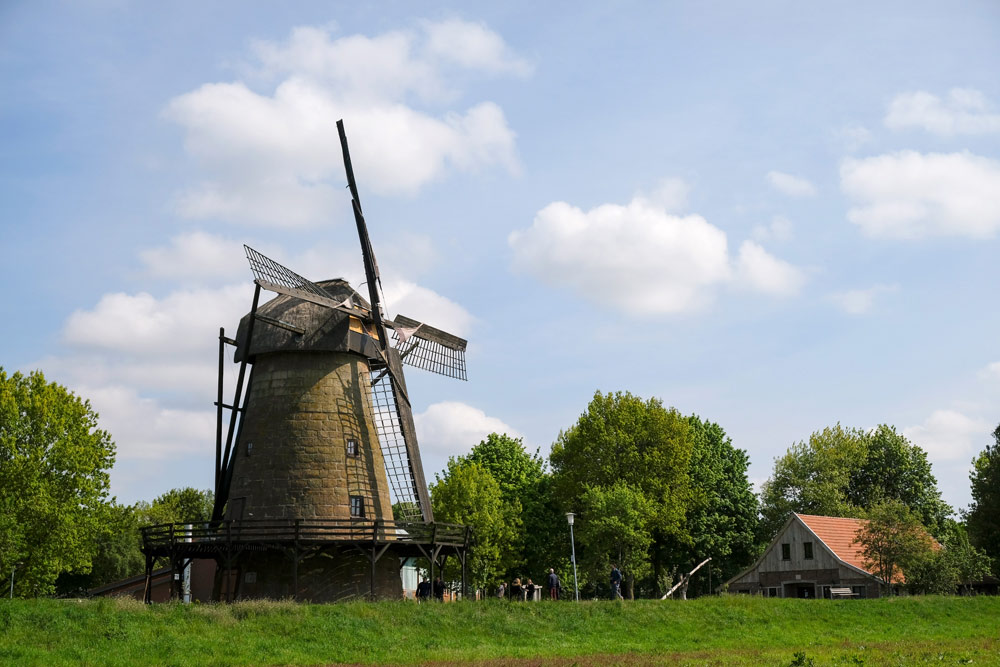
{"x":810,"y":557}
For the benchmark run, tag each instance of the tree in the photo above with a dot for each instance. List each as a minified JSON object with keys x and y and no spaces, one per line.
{"x":721,"y":518}
{"x":186,"y":505}
{"x":844,"y":471}
{"x":614,"y":527}
{"x":953,"y":566}
{"x":54,"y":481}
{"x":893,"y":541}
{"x":623,"y":439}
{"x":118,"y":553}
{"x":983,"y":516}
{"x":525,"y":488}
{"x":468,"y":495}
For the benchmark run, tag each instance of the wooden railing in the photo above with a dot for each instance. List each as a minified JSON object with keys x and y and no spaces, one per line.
{"x":303,"y":531}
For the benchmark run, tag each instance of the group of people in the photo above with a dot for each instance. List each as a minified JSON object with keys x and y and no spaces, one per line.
{"x":425,"y":589}
{"x":521,"y":592}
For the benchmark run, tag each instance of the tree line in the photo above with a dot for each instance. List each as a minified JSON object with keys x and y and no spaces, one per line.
{"x":653,"y":490}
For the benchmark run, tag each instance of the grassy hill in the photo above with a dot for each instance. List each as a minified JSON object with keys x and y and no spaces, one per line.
{"x":726,"y":630}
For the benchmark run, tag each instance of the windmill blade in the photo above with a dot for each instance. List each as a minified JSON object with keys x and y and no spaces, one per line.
{"x":423,"y":346}
{"x":275,"y":277}
{"x":398,"y":439}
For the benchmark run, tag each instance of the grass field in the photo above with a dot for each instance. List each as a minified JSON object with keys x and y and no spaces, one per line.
{"x":727,"y":630}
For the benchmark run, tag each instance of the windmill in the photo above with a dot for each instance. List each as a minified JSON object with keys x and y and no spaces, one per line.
{"x":323,"y":428}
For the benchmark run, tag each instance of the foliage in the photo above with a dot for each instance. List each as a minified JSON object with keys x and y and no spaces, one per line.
{"x":54,"y":464}
{"x":893,"y":541}
{"x":623,"y":440}
{"x":186,"y":505}
{"x":119,"y":545}
{"x":983,"y":516}
{"x":469,"y":495}
{"x":525,"y":490}
{"x":949,"y":569}
{"x":721,"y":518}
{"x":844,"y":471}
{"x":614,"y":528}
{"x":727,"y":630}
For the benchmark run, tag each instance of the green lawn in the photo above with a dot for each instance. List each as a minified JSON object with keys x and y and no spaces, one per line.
{"x":726,"y":630}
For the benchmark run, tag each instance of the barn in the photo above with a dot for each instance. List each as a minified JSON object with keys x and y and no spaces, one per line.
{"x":810,"y":557}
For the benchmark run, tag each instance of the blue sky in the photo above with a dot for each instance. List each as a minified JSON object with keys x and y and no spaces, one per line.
{"x":775,"y":216}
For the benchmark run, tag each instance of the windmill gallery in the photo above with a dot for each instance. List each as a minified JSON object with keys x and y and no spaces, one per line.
{"x":319,"y":488}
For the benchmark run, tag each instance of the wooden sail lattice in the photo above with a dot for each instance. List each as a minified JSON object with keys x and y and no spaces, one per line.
{"x":398,"y":470}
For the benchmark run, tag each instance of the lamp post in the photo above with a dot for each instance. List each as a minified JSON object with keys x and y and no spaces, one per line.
{"x":569,"y":519}
{"x":12,"y":570}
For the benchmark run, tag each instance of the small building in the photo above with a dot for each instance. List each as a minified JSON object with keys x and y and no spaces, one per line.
{"x":810,"y":557}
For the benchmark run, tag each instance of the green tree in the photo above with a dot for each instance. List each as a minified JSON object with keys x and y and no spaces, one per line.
{"x":54,"y":464}
{"x":983,"y":516}
{"x":526,"y":489}
{"x":468,"y":495}
{"x":623,"y":439}
{"x":185,"y":505}
{"x":614,"y":528}
{"x":722,"y":515}
{"x":844,"y":471}
{"x":953,"y":566}
{"x":893,"y":541}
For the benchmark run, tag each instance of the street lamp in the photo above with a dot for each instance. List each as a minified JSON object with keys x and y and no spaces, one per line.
{"x":569,"y":519}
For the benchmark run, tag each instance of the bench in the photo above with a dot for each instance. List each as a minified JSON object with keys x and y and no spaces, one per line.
{"x":843,"y":592}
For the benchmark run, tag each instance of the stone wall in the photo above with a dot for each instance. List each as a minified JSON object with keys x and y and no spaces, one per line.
{"x":293,"y":457}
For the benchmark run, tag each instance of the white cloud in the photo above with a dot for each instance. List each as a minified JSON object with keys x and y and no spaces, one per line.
{"x":860,"y":301}
{"x":641,"y":259}
{"x":948,"y":435}
{"x":473,"y":46}
{"x":143,"y":428}
{"x":913,"y":195}
{"x":453,"y":429}
{"x":793,"y":186}
{"x":991,"y":371}
{"x":275,"y":159}
{"x":195,"y":257}
{"x":964,"y":111}
{"x":420,"y":303}
{"x":671,"y":194}
{"x":763,"y":272}
{"x":780,"y":229}
{"x":853,"y":137}
{"x":183,"y":322}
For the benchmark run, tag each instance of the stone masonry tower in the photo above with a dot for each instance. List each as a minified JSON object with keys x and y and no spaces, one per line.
{"x":308,"y":447}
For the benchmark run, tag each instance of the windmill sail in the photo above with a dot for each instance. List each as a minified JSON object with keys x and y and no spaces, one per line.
{"x":398,"y":439}
{"x":431,"y":349}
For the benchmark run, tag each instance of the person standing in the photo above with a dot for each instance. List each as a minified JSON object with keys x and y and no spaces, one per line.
{"x":502,"y":590}
{"x":553,"y":584}
{"x":424,"y":590}
{"x":439,"y":589}
{"x":516,"y":592}
{"x":616,"y":583}
{"x":529,"y":591}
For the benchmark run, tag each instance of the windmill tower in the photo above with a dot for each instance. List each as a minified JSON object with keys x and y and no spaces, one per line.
{"x":323,"y":428}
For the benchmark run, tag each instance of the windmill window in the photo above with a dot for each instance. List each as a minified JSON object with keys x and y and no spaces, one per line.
{"x":786,"y":552}
{"x":357,"y":507}
{"x":807,"y":550}
{"x":352,"y":448}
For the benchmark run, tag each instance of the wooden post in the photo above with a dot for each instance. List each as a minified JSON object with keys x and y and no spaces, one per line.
{"x":295,"y":562}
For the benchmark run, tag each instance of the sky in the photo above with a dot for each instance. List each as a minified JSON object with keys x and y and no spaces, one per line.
{"x":776,"y":215}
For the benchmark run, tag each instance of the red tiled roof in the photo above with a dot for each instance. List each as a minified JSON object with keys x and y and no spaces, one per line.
{"x":838,"y":534}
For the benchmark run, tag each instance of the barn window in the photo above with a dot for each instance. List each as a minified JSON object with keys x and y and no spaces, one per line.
{"x":352,"y":448}
{"x":786,"y":552}
{"x":859,"y":591}
{"x":807,"y":550}
{"x":357,"y":507}
{"x":772,"y":592}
